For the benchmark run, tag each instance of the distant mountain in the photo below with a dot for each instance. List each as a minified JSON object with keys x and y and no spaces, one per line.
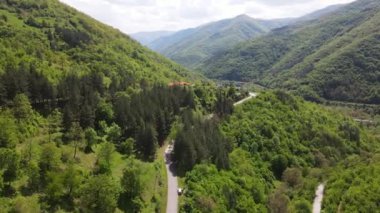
{"x":146,"y":38}
{"x":320,"y":13}
{"x":192,"y":46}
{"x":336,"y":57}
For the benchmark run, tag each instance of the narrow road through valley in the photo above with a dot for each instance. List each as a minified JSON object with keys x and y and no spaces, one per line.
{"x":172,"y":202}
{"x":172,"y":205}
{"x":317,"y":205}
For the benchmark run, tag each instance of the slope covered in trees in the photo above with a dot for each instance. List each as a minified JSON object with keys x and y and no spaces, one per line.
{"x":83,"y":110}
{"x":283,"y":148}
{"x":47,"y":39}
{"x":334,"y":57}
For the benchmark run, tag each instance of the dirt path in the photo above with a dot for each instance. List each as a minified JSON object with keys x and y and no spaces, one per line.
{"x":251,"y":95}
{"x":317,"y":205}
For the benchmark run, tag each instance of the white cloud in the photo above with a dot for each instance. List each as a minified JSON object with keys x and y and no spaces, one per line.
{"x":152,"y":15}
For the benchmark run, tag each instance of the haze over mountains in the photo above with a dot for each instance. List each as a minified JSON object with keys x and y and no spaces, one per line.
{"x":190,"y":47}
{"x":146,"y":38}
{"x":334,"y":57}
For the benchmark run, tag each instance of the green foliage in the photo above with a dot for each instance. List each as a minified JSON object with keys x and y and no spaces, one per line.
{"x":301,"y":206}
{"x":147,"y":116}
{"x":278,"y":202}
{"x":147,"y":142}
{"x":99,"y":194}
{"x":353,"y":186}
{"x":242,"y":189}
{"x":8,"y":130}
{"x":75,"y":135}
{"x":276,"y":136}
{"x":278,"y":164}
{"x":292,"y":176}
{"x":91,"y":138}
{"x":26,"y":205}
{"x":54,"y":187}
{"x":131,"y":184}
{"x":22,"y":109}
{"x":127,"y":147}
{"x":9,"y":164}
{"x":104,"y":155}
{"x":287,"y":131}
{"x":199,"y":141}
{"x":50,"y":158}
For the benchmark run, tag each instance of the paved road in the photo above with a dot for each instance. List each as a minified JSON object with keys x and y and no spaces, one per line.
{"x":251,"y":95}
{"x":172,"y":202}
{"x":172,"y":205}
{"x":317,"y":205}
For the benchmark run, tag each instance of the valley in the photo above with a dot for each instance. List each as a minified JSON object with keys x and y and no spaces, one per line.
{"x":252,"y":115}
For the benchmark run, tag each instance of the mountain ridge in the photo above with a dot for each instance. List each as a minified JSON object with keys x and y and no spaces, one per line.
{"x":191,"y":46}
{"x":333,"y":57}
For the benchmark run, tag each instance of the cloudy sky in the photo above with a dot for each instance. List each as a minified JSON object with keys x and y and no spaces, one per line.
{"x":132,"y":16}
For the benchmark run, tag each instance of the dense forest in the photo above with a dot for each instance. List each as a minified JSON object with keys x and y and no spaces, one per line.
{"x":86,"y":114}
{"x":283,"y":147}
{"x":334,"y":57}
{"x":54,"y":40}
{"x":84,"y":109}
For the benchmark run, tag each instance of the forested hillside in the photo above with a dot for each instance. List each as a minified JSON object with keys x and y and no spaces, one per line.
{"x":49,"y":40}
{"x":334,"y":57}
{"x":283,"y":147}
{"x":84,"y":109}
{"x":192,"y":46}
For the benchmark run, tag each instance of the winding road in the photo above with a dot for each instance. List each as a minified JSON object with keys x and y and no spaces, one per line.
{"x":172,"y":200}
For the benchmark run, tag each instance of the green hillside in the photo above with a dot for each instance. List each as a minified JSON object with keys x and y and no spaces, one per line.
{"x":83,"y":112}
{"x":334,"y":57}
{"x":192,"y":46}
{"x":283,"y":147}
{"x":57,"y":40}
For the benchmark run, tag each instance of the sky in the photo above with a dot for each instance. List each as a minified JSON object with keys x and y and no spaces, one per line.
{"x":131,"y":16}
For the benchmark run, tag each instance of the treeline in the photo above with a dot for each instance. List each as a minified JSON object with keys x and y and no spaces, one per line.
{"x":53,"y":179}
{"x":200,"y":141}
{"x":148,"y":116}
{"x":131,"y":125}
{"x":24,"y":78}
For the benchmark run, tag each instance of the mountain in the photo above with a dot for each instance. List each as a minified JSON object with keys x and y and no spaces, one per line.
{"x":335,"y":57}
{"x":191,"y":46}
{"x":83,"y":110}
{"x":57,"y":40}
{"x":320,"y":13}
{"x":146,"y":38}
